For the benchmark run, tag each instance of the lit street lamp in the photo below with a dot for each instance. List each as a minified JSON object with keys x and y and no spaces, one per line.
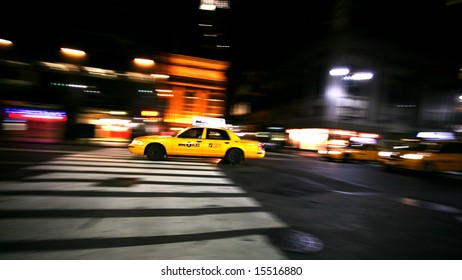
{"x":73,"y":52}
{"x":143,"y":62}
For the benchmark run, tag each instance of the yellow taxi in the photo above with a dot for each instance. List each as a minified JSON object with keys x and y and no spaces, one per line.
{"x":352,"y":152}
{"x":405,"y":146}
{"x":198,"y":141}
{"x":428,"y":157}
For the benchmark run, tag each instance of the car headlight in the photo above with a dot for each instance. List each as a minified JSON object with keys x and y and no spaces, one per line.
{"x":385,"y":154}
{"x":412,"y":156}
{"x":334,"y":152}
{"x":136,"y":142}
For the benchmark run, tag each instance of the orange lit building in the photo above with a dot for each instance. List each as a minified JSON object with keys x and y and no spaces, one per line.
{"x":193,"y":87}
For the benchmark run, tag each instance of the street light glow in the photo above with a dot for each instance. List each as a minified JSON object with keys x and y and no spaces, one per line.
{"x":208,"y":7}
{"x":144,"y":61}
{"x":73,"y":52}
{"x":160,"y":76}
{"x":339,"y":72}
{"x":360,"y":76}
{"x":5,"y":42}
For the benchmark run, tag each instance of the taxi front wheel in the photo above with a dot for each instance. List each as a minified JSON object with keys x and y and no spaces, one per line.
{"x":234,"y":156}
{"x":155,"y":152}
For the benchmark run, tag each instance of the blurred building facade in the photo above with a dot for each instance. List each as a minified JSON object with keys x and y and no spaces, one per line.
{"x":99,"y":103}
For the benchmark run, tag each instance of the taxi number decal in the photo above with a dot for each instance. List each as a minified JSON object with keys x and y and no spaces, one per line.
{"x":189,"y":145}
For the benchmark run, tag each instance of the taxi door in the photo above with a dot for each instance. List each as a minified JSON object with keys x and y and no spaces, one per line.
{"x":188,"y":143}
{"x":216,"y":143}
{"x":370,"y":152}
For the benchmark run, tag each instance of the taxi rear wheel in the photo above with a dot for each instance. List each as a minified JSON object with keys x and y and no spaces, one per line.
{"x":155,"y":152}
{"x":234,"y":156}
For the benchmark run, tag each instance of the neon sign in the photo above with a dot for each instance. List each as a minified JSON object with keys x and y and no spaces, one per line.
{"x":35,"y":114}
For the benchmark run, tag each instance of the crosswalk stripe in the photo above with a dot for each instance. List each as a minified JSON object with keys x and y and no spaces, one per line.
{"x":167,"y":163}
{"x":141,"y":178}
{"x":166,"y":205}
{"x":125,"y":170}
{"x":93,"y":203}
{"x":128,"y":164}
{"x":137,"y":187}
{"x":55,"y":229}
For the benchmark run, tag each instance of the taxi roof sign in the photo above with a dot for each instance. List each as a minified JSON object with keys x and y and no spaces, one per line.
{"x":208,"y":121}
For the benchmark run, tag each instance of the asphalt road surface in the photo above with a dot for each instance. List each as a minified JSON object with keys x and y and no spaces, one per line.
{"x":94,"y":202}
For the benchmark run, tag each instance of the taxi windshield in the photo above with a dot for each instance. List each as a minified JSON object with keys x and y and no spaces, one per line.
{"x":181,"y":131}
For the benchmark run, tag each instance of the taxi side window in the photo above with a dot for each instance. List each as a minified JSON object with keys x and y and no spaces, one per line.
{"x":217,"y":134}
{"x":192,"y":133}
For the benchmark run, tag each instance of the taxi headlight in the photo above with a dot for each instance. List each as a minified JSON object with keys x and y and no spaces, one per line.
{"x":136,"y":142}
{"x":334,"y":152}
{"x":385,"y":154}
{"x":412,"y":156}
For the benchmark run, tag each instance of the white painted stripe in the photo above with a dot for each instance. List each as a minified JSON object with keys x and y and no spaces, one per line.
{"x":57,"y":229}
{"x":141,"y":178}
{"x":108,"y":151}
{"x":145,"y":161}
{"x":91,"y":203}
{"x":96,"y":156}
{"x":248,"y":247}
{"x":85,"y":186}
{"x":187,"y":189}
{"x":128,"y":164}
{"x":125,"y":170}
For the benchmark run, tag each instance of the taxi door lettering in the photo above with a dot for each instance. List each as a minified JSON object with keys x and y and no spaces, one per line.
{"x":189,"y":145}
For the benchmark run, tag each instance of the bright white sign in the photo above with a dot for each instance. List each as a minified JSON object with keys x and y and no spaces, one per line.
{"x":209,"y":121}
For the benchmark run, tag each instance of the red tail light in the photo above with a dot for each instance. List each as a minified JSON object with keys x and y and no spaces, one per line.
{"x":260,"y":146}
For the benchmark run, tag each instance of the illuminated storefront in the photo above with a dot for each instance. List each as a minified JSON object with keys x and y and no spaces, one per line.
{"x":321,"y":138}
{"x":33,"y":123}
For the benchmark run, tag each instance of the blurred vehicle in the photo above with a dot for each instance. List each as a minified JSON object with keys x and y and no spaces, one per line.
{"x":198,"y":141}
{"x":272,"y":139}
{"x":403,"y":147}
{"x":352,"y":152}
{"x":425,"y":157}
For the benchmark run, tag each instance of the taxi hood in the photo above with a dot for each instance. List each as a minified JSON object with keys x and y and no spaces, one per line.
{"x":152,"y":137}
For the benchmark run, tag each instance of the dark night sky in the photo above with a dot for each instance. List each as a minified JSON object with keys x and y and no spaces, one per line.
{"x":130,"y":27}
{"x":258,"y":30}
{"x":159,"y":25}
